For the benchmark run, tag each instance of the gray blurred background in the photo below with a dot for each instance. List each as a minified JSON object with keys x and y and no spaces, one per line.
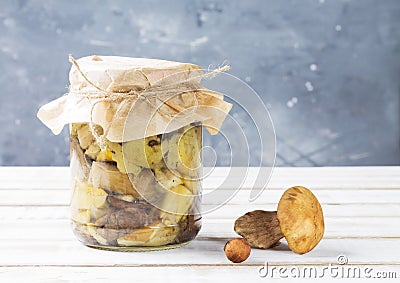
{"x":328,"y":70}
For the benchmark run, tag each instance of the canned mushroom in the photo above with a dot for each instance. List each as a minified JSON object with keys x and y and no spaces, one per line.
{"x":141,"y":193}
{"x":135,"y":149}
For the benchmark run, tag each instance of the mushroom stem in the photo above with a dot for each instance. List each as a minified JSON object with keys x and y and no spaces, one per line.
{"x":260,"y":228}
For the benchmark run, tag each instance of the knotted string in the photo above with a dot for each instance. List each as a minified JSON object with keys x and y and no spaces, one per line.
{"x":155,"y":92}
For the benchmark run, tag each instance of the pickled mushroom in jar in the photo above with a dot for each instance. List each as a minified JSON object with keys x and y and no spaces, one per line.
{"x":135,"y":167}
{"x":157,"y":234}
{"x":135,"y":193}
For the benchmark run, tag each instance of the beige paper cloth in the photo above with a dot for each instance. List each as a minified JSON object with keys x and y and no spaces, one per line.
{"x":132,"y":98}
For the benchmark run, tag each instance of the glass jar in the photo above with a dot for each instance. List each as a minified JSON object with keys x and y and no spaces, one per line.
{"x":137,"y":195}
{"x":136,"y":138}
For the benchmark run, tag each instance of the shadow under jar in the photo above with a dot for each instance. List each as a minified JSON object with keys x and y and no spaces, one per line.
{"x":138,"y":195}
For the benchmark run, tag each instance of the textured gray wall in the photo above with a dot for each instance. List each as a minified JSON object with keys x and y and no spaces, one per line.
{"x":329,"y":70}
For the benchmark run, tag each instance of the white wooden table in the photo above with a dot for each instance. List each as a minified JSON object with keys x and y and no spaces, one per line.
{"x":362,"y":217}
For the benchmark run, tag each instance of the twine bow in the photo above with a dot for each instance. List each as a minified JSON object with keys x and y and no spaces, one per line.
{"x":149,"y":95}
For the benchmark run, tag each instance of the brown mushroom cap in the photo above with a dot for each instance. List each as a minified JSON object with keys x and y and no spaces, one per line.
{"x":301,"y":219}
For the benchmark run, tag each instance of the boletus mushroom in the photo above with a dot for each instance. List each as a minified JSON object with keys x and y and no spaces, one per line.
{"x":299,"y":219}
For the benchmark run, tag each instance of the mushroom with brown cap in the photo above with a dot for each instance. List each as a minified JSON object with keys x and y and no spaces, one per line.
{"x":299,"y":219}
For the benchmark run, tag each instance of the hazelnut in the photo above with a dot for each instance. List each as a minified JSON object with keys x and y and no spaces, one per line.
{"x":299,"y":219}
{"x":237,"y":250}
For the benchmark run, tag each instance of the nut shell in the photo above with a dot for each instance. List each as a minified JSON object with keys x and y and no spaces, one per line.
{"x":237,"y":250}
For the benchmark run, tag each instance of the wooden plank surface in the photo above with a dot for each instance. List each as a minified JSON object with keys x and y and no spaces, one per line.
{"x":199,"y":252}
{"x":49,"y":197}
{"x":361,"y":206}
{"x":317,"y":178}
{"x":179,"y":273}
{"x":351,"y":227}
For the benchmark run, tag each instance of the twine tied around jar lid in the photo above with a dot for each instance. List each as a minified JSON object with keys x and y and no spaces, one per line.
{"x":147,"y":94}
